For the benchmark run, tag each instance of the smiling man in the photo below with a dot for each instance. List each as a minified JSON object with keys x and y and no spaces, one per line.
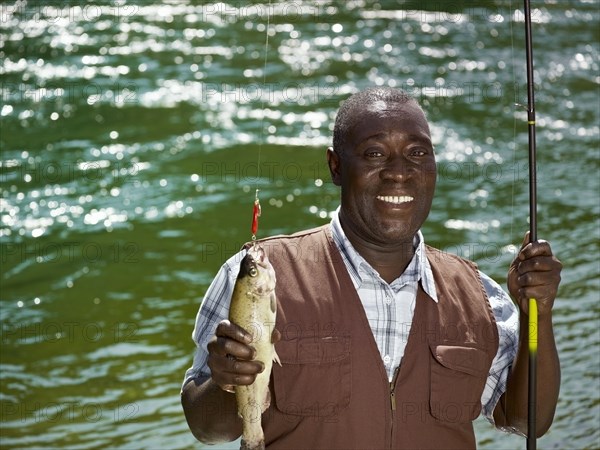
{"x":384,"y":341}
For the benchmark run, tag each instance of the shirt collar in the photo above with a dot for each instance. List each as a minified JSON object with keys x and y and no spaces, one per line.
{"x":418,"y":269}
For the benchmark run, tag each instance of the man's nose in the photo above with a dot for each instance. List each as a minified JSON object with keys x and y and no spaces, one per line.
{"x":397,"y":168}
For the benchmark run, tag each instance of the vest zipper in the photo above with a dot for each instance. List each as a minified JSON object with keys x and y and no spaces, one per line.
{"x":393,"y":387}
{"x":393,"y":403}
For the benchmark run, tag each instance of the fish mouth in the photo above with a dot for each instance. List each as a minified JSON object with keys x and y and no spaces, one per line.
{"x":395,"y":199}
{"x":259,"y":256}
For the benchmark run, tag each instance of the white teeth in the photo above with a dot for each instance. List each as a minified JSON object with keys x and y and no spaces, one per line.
{"x":395,"y":198}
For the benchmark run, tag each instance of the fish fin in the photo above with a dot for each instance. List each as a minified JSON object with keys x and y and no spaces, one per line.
{"x":276,"y":356}
{"x":273,"y":303}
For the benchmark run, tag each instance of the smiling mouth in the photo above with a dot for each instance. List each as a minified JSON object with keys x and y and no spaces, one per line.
{"x":395,"y":199}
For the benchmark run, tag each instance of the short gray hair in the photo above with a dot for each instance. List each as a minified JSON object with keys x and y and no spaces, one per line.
{"x":357,"y":103}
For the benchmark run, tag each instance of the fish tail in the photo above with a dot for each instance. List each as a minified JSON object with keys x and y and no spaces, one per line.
{"x":253,"y":437}
{"x":260,"y":445}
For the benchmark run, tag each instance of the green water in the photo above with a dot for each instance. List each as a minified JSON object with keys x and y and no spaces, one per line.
{"x":131,"y":137}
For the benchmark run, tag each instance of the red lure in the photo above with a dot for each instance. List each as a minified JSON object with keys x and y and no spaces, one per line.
{"x":255,"y":216}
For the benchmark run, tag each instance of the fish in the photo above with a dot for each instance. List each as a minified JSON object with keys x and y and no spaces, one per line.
{"x":254,"y":308}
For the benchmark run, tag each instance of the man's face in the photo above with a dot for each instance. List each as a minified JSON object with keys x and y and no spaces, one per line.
{"x":387,"y":173}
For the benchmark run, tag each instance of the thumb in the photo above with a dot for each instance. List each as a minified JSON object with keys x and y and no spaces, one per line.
{"x":524,"y":244}
{"x":525,"y":239}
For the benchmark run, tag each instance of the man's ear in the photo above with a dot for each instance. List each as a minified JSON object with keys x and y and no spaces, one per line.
{"x":333,"y":160}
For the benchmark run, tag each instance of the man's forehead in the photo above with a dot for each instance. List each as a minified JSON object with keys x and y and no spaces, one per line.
{"x":381,"y":114}
{"x":382,"y":107}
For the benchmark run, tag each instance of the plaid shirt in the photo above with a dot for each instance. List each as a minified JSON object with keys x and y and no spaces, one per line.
{"x":389,"y":309}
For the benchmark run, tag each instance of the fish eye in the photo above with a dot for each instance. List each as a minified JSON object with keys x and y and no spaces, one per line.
{"x":253,"y":271}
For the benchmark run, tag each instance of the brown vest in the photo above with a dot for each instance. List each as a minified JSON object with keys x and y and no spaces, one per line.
{"x":332,"y":390}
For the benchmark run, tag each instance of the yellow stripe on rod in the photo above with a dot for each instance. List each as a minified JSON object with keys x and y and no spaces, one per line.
{"x":533,"y":325}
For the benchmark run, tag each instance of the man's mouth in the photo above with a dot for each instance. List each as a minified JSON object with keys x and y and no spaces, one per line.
{"x":395,"y":199}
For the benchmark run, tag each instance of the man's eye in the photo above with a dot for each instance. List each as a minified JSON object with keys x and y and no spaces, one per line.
{"x":373,"y":153}
{"x":419,"y":151}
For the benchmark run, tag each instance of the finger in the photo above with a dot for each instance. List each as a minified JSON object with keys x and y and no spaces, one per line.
{"x":518,"y":257}
{"x":226,"y":328}
{"x":537,"y":275}
{"x":525,"y":239}
{"x":223,"y":346}
{"x":538,"y":264}
{"x":529,"y":283}
{"x":533,"y":249}
{"x":239,"y":367}
{"x":231,"y":365}
{"x":226,"y":370}
{"x":226,"y":379}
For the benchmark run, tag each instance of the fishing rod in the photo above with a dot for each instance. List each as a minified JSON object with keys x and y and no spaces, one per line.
{"x":533,"y":313}
{"x":256,"y":209}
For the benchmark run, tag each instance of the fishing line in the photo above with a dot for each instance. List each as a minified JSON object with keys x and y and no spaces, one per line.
{"x":264,"y":82}
{"x":256,"y":209}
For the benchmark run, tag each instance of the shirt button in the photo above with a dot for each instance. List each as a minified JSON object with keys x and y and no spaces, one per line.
{"x":388,"y":299}
{"x":387,"y":359}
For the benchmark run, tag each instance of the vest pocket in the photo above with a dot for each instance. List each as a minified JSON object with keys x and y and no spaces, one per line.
{"x":314,"y":378}
{"x":458,"y":376}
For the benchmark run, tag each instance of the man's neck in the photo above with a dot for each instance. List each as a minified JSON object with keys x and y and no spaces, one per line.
{"x":390,"y":261}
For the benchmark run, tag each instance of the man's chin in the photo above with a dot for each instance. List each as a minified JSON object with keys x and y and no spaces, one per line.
{"x":392,"y":234}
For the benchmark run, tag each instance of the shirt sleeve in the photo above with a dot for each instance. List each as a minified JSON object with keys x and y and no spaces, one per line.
{"x":507,"y":321}
{"x":213,"y":309}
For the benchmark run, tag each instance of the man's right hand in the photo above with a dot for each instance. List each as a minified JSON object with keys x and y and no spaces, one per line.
{"x":231,"y":357}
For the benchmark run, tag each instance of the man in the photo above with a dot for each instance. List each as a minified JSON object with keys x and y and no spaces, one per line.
{"x":384,"y":341}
